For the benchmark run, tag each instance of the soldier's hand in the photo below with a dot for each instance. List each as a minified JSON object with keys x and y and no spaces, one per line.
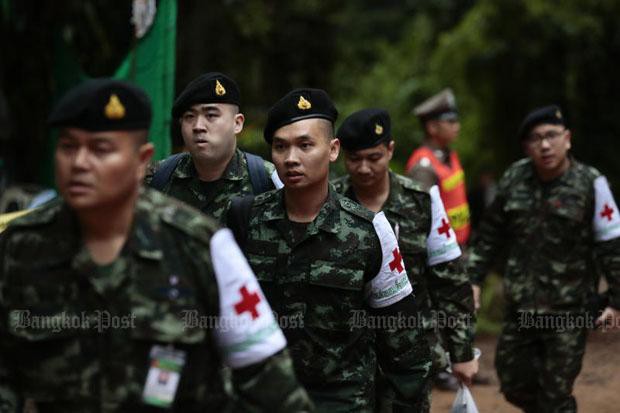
{"x":476,"y":291}
{"x":465,"y":371}
{"x":610,"y":319}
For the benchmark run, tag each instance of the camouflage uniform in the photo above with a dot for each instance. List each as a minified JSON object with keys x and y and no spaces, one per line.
{"x":320,"y":282}
{"x":443,"y":287}
{"x":551,"y":231}
{"x":211,"y":198}
{"x":170,"y":268}
{"x":442,"y":291}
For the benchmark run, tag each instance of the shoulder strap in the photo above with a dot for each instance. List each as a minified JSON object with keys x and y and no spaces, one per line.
{"x":258,"y":176}
{"x":164,"y":171}
{"x":239,"y":217}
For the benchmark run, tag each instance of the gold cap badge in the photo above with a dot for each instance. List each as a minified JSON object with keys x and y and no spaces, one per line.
{"x":558,"y":114}
{"x":378,"y":129}
{"x":114,"y":109}
{"x":219,"y":89}
{"x":303,"y":104}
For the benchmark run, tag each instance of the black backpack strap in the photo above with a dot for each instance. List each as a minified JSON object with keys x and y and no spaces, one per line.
{"x":239,"y":216}
{"x":261,"y":182}
{"x":164,"y":171}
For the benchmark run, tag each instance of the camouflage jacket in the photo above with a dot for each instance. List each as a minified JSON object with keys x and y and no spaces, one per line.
{"x":554,"y":236}
{"x":74,"y":338}
{"x":322,"y":288}
{"x":185,"y":185}
{"x":442,"y":290}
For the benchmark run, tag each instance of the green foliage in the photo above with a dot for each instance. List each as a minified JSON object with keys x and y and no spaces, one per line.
{"x":502,"y":58}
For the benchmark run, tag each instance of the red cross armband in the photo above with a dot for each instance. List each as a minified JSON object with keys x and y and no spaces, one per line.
{"x":441,"y":243}
{"x":245,"y":330}
{"x":391,"y":284}
{"x":606,"y":220}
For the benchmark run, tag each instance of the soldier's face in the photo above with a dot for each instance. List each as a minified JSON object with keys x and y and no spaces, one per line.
{"x":547,"y":145}
{"x":302,"y":152}
{"x":367,"y":167}
{"x":209,"y":131}
{"x":100,"y":169}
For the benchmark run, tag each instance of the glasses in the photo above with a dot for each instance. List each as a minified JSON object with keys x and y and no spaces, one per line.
{"x":535,"y":139}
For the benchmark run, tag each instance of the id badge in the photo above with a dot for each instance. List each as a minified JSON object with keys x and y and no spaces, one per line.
{"x":163,"y":377}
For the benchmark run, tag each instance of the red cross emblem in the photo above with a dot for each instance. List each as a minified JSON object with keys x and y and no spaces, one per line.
{"x":444,"y":228}
{"x":396,"y":263}
{"x":248,"y":302}
{"x":607,"y":212}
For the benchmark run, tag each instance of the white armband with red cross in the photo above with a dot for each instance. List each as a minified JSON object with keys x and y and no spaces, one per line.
{"x":606,"y":220}
{"x":246,"y":331}
{"x":391,"y":283}
{"x":441,"y":244}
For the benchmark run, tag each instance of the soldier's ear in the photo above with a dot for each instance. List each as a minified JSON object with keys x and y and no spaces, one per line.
{"x":568,"y":137}
{"x":239,"y":120}
{"x":390,"y":148}
{"x":334,"y":149}
{"x":145,"y":154}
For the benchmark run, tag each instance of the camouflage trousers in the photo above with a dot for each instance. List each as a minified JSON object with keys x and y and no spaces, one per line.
{"x":538,"y":367}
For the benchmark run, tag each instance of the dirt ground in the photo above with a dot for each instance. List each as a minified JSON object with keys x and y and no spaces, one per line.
{"x":597,"y":388}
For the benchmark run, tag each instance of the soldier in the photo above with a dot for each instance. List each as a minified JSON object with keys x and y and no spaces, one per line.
{"x":434,"y":163}
{"x":332,"y":267}
{"x":115,"y":298}
{"x":427,"y":242}
{"x":552,"y":214}
{"x":215,"y":169}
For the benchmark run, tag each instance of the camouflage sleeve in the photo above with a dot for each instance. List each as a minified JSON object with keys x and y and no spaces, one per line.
{"x":270,"y":386}
{"x":251,"y":341}
{"x":451,"y":296}
{"x":448,"y":283}
{"x":402,"y":351}
{"x":608,"y":256}
{"x":487,"y":241}
{"x":9,"y":399}
{"x":404,"y":356}
{"x":606,"y":229}
{"x":424,"y":175}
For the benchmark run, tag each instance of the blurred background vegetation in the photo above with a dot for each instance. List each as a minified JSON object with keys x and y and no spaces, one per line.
{"x":501,"y":57}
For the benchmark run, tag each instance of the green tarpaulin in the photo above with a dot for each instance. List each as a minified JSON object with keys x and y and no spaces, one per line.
{"x":150,"y":64}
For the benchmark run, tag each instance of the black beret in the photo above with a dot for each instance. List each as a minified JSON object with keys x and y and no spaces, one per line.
{"x":103,"y":105}
{"x":212,"y":87}
{"x":548,"y":114}
{"x":297,"y":105}
{"x":364,"y":129}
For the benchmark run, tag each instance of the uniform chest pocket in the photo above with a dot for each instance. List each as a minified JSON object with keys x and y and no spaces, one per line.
{"x":521,"y":212}
{"x":264,"y":266}
{"x":48,"y":341}
{"x":333,"y":295}
{"x":168,"y":314}
{"x":43,"y":302}
{"x":565,"y":224}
